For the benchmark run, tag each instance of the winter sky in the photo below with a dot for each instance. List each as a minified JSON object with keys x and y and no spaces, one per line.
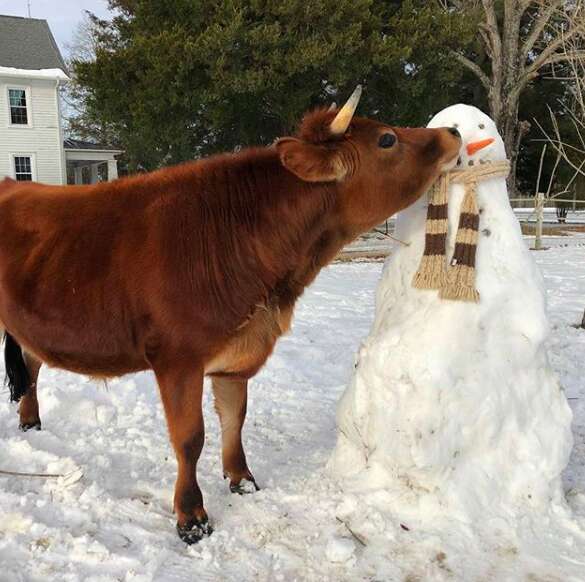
{"x":62,"y":15}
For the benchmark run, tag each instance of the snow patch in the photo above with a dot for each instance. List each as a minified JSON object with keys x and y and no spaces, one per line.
{"x":340,"y":550}
{"x":57,"y":74}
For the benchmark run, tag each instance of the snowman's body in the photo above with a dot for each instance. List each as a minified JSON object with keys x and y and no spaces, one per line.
{"x":457,"y":400}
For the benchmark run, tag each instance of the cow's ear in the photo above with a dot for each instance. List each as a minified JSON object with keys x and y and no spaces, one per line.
{"x":310,"y":162}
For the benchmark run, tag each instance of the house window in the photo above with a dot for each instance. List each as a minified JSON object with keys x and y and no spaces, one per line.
{"x":18,"y":106}
{"x":23,"y":168}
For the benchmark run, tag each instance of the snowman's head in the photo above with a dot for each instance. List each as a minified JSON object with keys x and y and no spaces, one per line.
{"x":481,"y":141}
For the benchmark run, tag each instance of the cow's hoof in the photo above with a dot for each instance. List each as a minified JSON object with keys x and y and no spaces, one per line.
{"x":245,"y":487}
{"x":24,"y":426}
{"x":194,"y":531}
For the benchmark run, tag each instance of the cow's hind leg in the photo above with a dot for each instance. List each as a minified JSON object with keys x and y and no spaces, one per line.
{"x":28,"y":409}
{"x":181,"y":391}
{"x":231,"y":398}
{"x":22,"y":371}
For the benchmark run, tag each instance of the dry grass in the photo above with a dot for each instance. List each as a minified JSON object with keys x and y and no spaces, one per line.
{"x":556,"y":230}
{"x":379,"y":255}
{"x":369,"y":256}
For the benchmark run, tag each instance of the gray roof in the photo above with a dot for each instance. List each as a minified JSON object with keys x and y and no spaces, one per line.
{"x":77,"y":144}
{"x":27,"y":43}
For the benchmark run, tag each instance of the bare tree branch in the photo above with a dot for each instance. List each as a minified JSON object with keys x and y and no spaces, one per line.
{"x":548,"y":56}
{"x":552,"y":59}
{"x":489,"y":8}
{"x":474,"y":68}
{"x":559,"y":147}
{"x":491,"y":26}
{"x":538,"y":27}
{"x":487,"y":40}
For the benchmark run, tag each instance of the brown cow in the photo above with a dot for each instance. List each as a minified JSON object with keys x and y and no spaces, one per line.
{"x":194,"y":270}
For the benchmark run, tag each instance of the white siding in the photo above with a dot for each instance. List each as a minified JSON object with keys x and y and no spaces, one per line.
{"x":42,"y":139}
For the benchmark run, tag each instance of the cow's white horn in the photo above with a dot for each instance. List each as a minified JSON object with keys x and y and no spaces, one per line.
{"x":342,"y":120}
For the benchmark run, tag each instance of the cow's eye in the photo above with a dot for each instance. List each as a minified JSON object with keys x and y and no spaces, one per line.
{"x":387,"y":140}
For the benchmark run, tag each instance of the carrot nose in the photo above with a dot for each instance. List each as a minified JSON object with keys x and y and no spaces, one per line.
{"x":474,"y":147}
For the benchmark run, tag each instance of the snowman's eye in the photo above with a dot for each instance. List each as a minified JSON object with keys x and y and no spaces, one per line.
{"x":481,"y":126}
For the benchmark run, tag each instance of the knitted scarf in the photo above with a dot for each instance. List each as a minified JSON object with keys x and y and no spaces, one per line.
{"x":457,"y":281}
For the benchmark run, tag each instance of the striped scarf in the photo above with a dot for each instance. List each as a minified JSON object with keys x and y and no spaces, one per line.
{"x":457,"y":281}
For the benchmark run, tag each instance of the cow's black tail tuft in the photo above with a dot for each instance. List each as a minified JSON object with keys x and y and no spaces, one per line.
{"x":17,"y":376}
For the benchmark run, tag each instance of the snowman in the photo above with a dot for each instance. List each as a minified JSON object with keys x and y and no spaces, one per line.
{"x":453,"y":401}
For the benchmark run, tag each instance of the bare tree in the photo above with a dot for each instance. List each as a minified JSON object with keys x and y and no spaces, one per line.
{"x":521,"y":39}
{"x":83,"y":44}
{"x":80,"y":123}
{"x":82,"y":47}
{"x":571,"y":148}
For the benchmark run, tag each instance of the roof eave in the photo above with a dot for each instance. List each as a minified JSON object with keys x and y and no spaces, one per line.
{"x":116,"y":152}
{"x":62,"y":77}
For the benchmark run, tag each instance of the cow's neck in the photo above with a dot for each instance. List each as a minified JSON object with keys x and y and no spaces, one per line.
{"x":322,"y":250}
{"x":316,"y":237}
{"x":274,"y":226}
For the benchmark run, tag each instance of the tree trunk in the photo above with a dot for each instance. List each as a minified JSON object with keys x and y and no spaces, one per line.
{"x":511,"y":70}
{"x":502,"y":42}
{"x":510,"y":131}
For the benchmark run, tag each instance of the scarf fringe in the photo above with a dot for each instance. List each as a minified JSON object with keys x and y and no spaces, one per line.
{"x":431,"y":273}
{"x":460,"y":285}
{"x":466,"y":293}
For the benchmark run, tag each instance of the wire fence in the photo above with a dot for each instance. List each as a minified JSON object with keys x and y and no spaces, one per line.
{"x":534,"y":207}
{"x":539,"y":203}
{"x":550,"y":202}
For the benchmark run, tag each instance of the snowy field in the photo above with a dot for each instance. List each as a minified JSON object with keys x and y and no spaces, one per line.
{"x":115,"y":523}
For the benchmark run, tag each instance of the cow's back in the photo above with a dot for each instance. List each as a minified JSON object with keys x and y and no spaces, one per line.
{"x":75,"y":263}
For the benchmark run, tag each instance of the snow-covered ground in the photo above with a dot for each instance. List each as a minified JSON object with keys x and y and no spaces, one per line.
{"x":116,"y":522}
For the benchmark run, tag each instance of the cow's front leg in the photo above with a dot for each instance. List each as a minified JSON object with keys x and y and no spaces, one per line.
{"x":181,"y":391}
{"x":231,"y":398}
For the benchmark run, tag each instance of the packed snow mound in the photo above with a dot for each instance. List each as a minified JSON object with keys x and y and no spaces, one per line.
{"x":453,"y":403}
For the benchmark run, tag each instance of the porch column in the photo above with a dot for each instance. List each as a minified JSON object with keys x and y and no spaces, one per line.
{"x":77,"y":174}
{"x":93,"y":174}
{"x":112,"y":169}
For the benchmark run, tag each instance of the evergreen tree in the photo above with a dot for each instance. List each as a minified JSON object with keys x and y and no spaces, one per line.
{"x":177,"y":79}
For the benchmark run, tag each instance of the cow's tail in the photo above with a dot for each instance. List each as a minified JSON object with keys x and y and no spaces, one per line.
{"x":17,"y":376}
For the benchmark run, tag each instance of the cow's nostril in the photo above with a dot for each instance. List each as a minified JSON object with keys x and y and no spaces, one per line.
{"x":454,"y":131}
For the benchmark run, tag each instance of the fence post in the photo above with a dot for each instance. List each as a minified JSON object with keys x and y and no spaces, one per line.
{"x":539,"y":220}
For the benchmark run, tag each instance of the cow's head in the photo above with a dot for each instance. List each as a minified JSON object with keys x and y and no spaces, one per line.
{"x":376,"y":169}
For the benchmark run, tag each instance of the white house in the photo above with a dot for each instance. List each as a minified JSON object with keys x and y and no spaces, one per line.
{"x":32,"y":146}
